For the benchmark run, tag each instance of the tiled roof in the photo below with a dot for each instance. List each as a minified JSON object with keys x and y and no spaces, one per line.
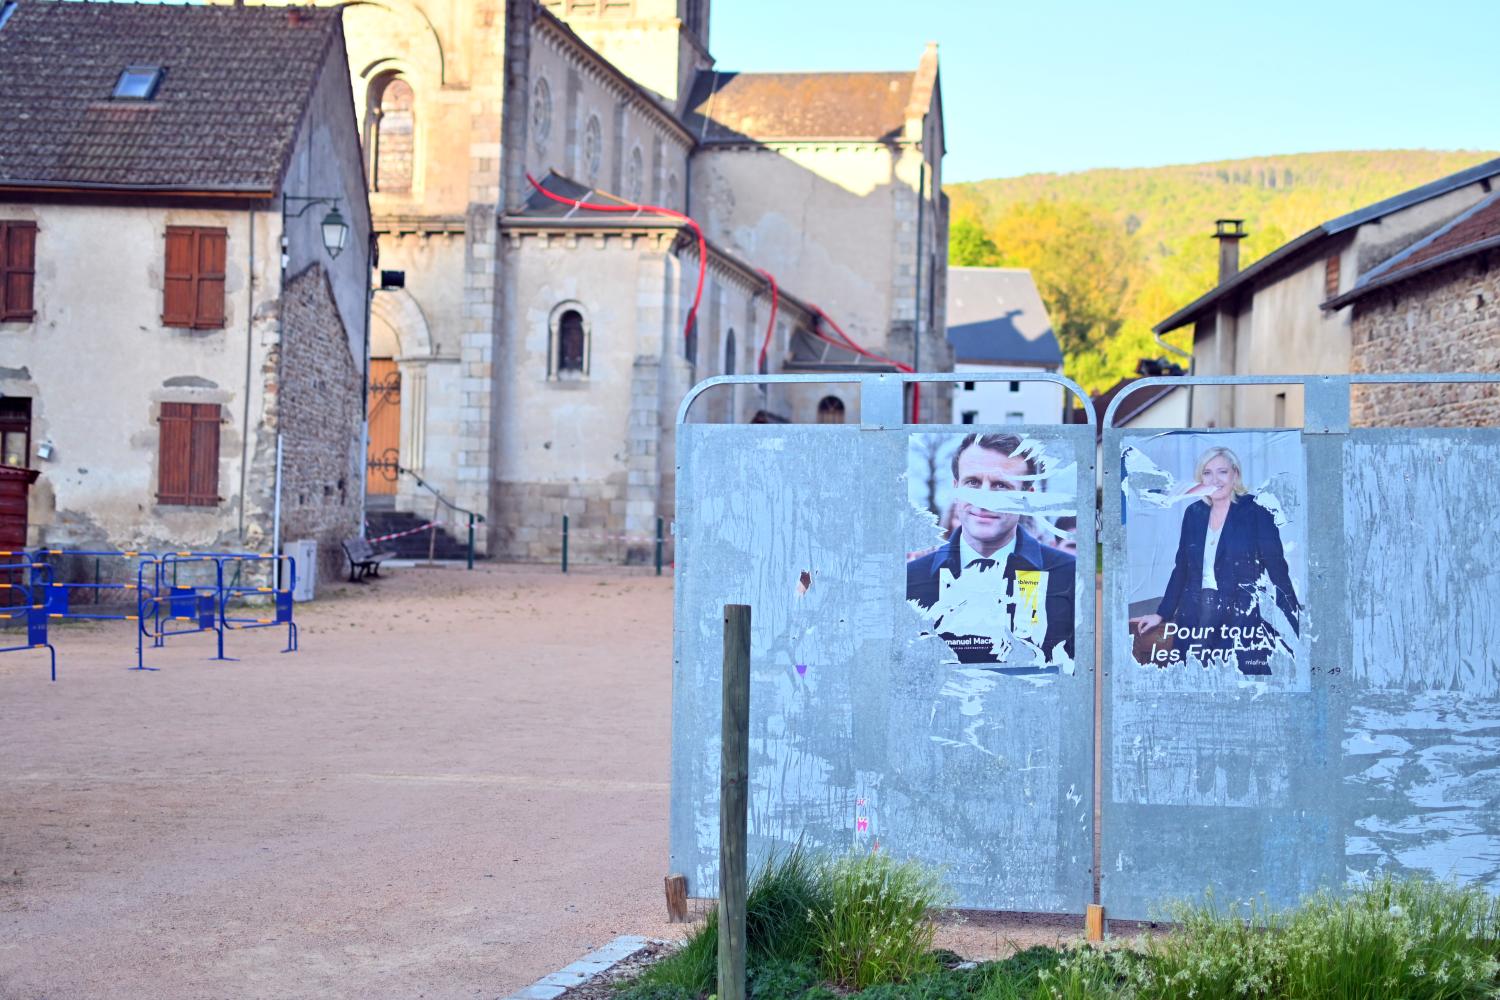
{"x":224,"y":118}
{"x":735,"y":107}
{"x":1472,"y":232}
{"x":1482,"y":226}
{"x":996,"y":316}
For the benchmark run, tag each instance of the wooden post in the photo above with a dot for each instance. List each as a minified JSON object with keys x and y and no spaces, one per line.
{"x":677,"y":898}
{"x":1093,"y":922}
{"x":734,"y":775}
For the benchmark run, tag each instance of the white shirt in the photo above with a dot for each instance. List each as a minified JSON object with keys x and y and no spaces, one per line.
{"x":1210,"y":552}
{"x":967,"y":554}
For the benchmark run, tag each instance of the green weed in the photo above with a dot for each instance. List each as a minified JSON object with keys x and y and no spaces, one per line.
{"x":876,"y":926}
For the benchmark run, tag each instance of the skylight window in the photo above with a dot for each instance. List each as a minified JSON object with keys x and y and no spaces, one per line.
{"x":138,"y":83}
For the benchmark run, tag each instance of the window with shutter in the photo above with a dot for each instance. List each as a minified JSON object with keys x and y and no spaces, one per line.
{"x":193,"y":285}
{"x":17,"y":271}
{"x":188,"y":459}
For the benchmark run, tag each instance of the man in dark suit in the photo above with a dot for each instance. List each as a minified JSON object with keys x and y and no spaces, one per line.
{"x":997,"y":587}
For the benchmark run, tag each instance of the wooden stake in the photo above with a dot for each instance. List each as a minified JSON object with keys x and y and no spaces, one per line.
{"x":734,"y":775}
{"x":1093,"y":922}
{"x":677,"y":898}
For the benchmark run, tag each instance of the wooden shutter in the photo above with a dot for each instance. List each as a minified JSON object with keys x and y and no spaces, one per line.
{"x":188,"y":460}
{"x":203,"y":472}
{"x":178,"y":293}
{"x":193,"y":281}
{"x":209,"y":314}
{"x":17,"y":270}
{"x":174,"y":452}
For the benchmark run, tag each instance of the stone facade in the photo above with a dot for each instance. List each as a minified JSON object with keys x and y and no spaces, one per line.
{"x":503,"y":92}
{"x":1446,"y":320}
{"x":316,"y":406}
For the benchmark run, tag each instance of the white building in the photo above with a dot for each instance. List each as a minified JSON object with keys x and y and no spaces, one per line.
{"x":997,"y":323}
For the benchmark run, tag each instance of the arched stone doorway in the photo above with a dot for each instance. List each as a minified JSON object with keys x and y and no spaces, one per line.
{"x":400,"y":349}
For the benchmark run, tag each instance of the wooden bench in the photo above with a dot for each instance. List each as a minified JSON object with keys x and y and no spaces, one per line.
{"x":363,"y":559}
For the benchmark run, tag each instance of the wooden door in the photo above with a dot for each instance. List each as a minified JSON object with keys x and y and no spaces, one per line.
{"x":381,"y":468}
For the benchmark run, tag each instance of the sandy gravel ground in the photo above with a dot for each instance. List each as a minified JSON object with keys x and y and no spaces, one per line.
{"x":458,"y":786}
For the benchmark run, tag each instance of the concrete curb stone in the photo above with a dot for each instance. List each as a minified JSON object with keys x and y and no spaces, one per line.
{"x":581,"y":971}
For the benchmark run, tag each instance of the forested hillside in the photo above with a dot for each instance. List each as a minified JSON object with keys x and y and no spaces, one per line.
{"x":1115,"y":251}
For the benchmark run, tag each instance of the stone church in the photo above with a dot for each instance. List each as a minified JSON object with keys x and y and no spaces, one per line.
{"x":529,"y":352}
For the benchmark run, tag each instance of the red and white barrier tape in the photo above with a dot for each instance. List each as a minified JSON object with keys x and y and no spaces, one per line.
{"x":400,"y":534}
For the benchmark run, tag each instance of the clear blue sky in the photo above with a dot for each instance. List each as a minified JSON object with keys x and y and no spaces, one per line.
{"x":1060,"y":85}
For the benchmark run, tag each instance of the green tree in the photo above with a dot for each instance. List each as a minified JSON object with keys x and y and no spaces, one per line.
{"x":968,"y":246}
{"x":1082,"y":263}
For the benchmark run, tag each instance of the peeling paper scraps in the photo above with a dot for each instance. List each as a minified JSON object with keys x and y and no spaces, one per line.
{"x":1148,"y":484}
{"x":1270,"y":502}
{"x":983,"y":617}
{"x":1051,"y":503}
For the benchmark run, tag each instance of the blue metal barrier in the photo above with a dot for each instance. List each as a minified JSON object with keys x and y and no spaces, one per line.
{"x":281,"y":597}
{"x":33,"y":611}
{"x":164,"y":606}
{"x":196,"y":604}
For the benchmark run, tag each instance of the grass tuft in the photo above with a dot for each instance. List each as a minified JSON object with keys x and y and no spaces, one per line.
{"x":877,"y":927}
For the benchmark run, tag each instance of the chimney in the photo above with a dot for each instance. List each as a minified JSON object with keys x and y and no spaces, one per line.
{"x":1229,"y":232}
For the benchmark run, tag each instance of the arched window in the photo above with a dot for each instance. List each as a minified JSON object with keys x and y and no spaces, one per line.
{"x":729,"y":353}
{"x":568,"y":352}
{"x":690,"y":346}
{"x":635,"y":173}
{"x":391,"y":128}
{"x":570,"y":343}
{"x":830,"y":410}
{"x":593,"y":149}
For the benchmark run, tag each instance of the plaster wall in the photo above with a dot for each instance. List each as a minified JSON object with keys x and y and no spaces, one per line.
{"x":325,"y":163}
{"x":98,"y":363}
{"x":797,"y":209}
{"x":1037,"y":402}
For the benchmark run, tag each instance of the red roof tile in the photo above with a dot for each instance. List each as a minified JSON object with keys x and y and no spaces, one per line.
{"x":1483,"y":225}
{"x":225,"y":116}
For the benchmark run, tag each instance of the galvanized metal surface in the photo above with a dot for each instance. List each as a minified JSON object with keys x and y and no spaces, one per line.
{"x":1380,"y":750}
{"x":864,"y":733}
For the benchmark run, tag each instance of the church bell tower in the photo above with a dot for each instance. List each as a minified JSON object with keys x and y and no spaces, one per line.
{"x":661,"y":44}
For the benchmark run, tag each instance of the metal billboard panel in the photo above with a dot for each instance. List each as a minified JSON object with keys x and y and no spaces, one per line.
{"x":1363,"y":741}
{"x":1421,"y":782}
{"x":872,"y":727}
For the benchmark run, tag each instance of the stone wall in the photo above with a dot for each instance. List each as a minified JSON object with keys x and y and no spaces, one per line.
{"x":1445,"y":321}
{"x":530,"y":525}
{"x":320,"y":417}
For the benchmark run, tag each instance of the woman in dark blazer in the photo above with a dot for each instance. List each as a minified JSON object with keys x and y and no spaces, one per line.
{"x":1229,"y":543}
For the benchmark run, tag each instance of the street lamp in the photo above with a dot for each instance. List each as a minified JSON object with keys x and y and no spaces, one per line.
{"x":335,"y":232}
{"x":335,"y":229}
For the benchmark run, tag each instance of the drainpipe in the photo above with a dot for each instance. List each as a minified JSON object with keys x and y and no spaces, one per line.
{"x":916,"y":319}
{"x":362,"y":471}
{"x":280,"y":388}
{"x":249,"y":361}
{"x":276,"y":511}
{"x":1192,"y":367}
